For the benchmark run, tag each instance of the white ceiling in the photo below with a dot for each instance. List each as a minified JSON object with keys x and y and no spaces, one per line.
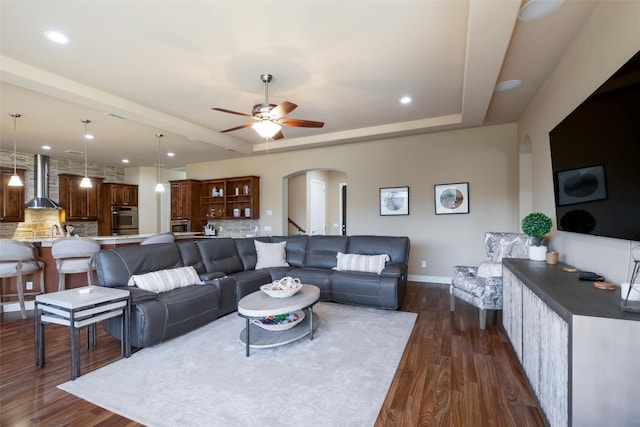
{"x":162,"y":65}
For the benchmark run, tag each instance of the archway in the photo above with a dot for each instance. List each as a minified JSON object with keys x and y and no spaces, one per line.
{"x":299,"y":198}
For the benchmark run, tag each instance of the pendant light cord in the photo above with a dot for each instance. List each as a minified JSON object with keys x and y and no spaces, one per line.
{"x":15,"y":160}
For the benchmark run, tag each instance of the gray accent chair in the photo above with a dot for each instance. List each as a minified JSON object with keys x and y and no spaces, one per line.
{"x":481,"y":286}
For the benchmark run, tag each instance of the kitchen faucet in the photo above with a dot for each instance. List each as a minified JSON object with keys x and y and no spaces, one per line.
{"x":55,"y":227}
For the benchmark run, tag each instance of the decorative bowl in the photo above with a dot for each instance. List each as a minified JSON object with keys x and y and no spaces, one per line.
{"x":282,"y":325}
{"x":283,"y":288}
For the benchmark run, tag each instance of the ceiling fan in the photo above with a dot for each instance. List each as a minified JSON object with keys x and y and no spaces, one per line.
{"x":269,"y":118}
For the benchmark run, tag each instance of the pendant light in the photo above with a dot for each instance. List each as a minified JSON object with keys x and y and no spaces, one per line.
{"x":159,"y":186}
{"x":15,"y":180}
{"x":86,"y":182}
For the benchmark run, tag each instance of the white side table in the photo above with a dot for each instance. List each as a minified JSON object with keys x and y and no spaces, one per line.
{"x":78,"y":308}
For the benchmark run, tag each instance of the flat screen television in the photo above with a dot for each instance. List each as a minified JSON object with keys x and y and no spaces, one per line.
{"x":595,"y":158}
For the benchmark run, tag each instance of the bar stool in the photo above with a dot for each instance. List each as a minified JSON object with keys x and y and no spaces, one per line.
{"x":158,"y":238}
{"x":74,"y":255}
{"x":18,"y":259}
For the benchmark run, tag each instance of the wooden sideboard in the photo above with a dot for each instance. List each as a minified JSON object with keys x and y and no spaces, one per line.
{"x":577,"y":349}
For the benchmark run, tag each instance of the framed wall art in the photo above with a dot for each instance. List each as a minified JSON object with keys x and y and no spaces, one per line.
{"x":452,"y":198}
{"x":581,"y":185}
{"x":394,"y":201}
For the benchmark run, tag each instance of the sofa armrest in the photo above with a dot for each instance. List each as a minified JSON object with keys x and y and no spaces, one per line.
{"x":138,"y":295}
{"x":394,"y":270}
{"x":211,"y":276}
{"x":464,"y":271}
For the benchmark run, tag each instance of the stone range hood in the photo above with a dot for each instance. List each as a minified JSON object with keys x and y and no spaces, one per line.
{"x":42,"y":199}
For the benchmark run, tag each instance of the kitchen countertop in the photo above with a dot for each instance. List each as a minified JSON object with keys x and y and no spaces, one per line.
{"x":111,"y":240}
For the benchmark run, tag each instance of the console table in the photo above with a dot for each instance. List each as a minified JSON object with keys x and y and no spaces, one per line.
{"x":578,"y":350}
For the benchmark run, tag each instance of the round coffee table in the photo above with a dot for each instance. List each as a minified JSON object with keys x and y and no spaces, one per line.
{"x":258,"y":305}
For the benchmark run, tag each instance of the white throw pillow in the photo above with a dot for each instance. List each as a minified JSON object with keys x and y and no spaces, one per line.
{"x":364,"y":263}
{"x":165,"y":280}
{"x":490,"y":269}
{"x":271,"y":254}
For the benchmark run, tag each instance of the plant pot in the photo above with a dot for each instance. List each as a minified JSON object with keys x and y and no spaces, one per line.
{"x":537,"y":253}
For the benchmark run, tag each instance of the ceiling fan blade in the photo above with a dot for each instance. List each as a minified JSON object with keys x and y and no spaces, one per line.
{"x":246,"y":125}
{"x":231,"y":112}
{"x":283,"y":109}
{"x":301,"y":123}
{"x":278,"y":135}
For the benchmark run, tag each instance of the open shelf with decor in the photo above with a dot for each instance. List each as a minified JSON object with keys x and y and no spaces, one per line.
{"x":231,"y":198}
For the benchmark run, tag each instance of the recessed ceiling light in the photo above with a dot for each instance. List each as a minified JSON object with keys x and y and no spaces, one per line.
{"x":171,"y":154}
{"x":405,"y":100}
{"x":46,"y":147}
{"x":536,"y":9}
{"x":508,"y":85}
{"x":125,"y":160}
{"x":56,"y":36}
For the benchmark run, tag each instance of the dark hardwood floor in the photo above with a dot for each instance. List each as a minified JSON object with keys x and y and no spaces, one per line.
{"x":451,"y":373}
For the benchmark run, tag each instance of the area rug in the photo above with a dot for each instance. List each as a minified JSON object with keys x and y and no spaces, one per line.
{"x":203,"y":378}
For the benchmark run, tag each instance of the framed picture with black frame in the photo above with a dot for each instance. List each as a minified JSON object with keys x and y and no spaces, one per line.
{"x":394,"y":201}
{"x":451,"y":198}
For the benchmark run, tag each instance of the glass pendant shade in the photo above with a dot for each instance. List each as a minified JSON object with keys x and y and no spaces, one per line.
{"x":266,"y":128}
{"x":85,"y":183}
{"x":159,"y":186}
{"x":15,"y":180}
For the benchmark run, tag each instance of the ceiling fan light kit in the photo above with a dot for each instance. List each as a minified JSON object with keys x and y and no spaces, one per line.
{"x":270,"y":117}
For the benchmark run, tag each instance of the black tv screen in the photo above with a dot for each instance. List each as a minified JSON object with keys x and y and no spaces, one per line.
{"x":595,"y":157}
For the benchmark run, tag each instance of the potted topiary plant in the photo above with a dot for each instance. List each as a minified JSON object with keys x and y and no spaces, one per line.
{"x":537,"y":225}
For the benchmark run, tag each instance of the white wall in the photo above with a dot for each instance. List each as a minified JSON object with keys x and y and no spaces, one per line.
{"x":485,"y":157}
{"x":154,"y":209}
{"x":611,"y":37}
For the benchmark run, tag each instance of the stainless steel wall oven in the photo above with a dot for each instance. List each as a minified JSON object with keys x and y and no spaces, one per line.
{"x":124,"y":220}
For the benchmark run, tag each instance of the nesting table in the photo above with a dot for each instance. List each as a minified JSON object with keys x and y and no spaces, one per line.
{"x":79,"y":308}
{"x":259,"y":305}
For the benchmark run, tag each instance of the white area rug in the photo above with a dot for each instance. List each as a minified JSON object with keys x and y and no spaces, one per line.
{"x":203,"y":378}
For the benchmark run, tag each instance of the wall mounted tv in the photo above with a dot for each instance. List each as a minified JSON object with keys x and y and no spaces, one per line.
{"x":595,"y":157}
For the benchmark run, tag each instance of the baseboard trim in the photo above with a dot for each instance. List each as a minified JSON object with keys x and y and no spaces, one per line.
{"x":15,"y":306}
{"x":429,"y":279}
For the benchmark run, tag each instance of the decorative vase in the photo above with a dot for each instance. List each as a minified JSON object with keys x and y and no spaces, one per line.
{"x":537,"y":253}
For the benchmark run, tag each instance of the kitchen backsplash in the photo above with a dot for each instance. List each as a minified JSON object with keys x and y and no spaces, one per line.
{"x":40,"y":221}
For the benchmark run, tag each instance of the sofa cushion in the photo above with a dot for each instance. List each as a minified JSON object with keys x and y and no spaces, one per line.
{"x":322,"y":250}
{"x":364,"y":263}
{"x":247,"y":251}
{"x":395,"y":246}
{"x":116,"y":266}
{"x":296,"y":248}
{"x":166,"y":280}
{"x":270,"y":254}
{"x":220,"y":254}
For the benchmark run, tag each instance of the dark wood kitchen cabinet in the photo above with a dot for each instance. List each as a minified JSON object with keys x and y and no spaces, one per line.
{"x":119,"y":194}
{"x":12,"y":198}
{"x":185,"y":201}
{"x":80,"y":204}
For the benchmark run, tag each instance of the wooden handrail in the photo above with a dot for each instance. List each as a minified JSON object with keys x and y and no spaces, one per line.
{"x":300,"y":229}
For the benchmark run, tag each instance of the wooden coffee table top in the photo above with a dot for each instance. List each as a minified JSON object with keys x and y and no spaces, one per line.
{"x":259,"y":304}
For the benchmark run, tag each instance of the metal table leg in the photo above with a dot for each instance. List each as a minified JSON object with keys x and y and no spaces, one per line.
{"x":247,"y":338}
